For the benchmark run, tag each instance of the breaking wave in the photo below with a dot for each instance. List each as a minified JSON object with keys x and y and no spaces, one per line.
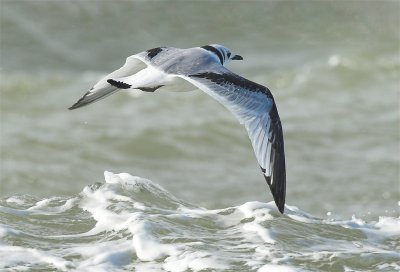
{"x":131,"y":222}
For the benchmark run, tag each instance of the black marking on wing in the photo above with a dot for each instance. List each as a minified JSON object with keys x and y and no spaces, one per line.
{"x":277,"y":134}
{"x":118,"y":84}
{"x":149,"y":89}
{"x":151,"y":53}
{"x":80,"y":102}
{"x":277,"y":160}
{"x":215,"y":51}
{"x":276,"y":181}
{"x":230,"y":78}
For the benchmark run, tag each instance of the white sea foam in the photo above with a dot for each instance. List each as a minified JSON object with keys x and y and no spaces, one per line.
{"x":15,"y":255}
{"x":130,"y":223}
{"x":277,"y":268}
{"x":16,"y":200}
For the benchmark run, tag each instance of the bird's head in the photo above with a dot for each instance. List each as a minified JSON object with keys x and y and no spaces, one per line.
{"x":222,"y":53}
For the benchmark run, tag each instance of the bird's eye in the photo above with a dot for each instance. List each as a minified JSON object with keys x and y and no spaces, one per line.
{"x":229,"y":55}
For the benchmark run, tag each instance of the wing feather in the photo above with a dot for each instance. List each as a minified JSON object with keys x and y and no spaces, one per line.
{"x":254,"y":106}
{"x":103,"y":88}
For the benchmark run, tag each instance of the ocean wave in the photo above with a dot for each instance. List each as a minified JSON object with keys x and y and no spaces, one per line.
{"x":130,"y":222}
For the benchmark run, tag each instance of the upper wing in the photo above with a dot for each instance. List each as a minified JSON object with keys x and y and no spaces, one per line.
{"x":102,"y":88}
{"x":255,"y":107}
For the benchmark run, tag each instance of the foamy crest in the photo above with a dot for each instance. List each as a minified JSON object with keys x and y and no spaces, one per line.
{"x":15,"y":255}
{"x":130,"y":223}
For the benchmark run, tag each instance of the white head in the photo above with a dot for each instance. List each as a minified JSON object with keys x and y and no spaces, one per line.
{"x":223,"y":53}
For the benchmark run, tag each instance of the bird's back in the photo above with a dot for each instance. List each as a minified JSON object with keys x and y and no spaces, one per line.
{"x":180,"y":61}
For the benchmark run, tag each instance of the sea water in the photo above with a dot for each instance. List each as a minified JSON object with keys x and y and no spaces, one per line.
{"x":194,"y":198}
{"x":130,"y":223}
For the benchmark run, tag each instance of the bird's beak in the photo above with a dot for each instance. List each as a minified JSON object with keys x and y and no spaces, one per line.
{"x":237,"y":57}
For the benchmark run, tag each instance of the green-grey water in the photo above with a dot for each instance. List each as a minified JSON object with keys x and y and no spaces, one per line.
{"x":198,"y":201}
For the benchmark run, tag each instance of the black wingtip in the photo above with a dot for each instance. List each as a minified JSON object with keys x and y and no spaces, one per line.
{"x":277,"y":183}
{"x":279,"y":197}
{"x":279,"y":200}
{"x":281,"y":207}
{"x":78,"y":104}
{"x":119,"y":84}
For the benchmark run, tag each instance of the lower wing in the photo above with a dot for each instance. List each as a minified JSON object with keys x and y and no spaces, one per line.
{"x":254,"y":106}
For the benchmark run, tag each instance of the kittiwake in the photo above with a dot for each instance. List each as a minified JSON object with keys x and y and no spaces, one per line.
{"x":169,"y":68}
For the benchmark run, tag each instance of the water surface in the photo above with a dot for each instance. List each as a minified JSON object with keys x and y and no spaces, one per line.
{"x":333,"y":68}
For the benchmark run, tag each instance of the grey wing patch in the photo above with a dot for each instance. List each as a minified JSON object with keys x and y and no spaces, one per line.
{"x":242,"y":97}
{"x":254,"y":105}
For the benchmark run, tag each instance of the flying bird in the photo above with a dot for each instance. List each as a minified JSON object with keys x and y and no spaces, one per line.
{"x":169,"y":68}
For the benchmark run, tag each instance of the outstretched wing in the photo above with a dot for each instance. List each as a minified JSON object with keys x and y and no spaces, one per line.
{"x":254,"y":106}
{"x":103,"y":89}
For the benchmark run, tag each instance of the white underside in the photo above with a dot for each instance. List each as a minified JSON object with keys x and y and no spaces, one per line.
{"x":151,"y":77}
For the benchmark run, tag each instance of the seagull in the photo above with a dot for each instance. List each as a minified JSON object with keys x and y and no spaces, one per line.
{"x":175,"y":69}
